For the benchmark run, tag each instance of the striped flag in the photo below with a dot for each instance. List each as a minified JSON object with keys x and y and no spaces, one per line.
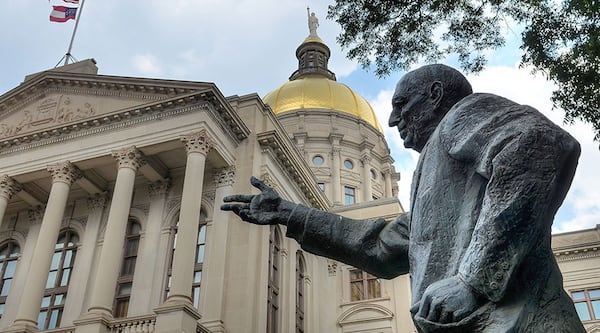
{"x":62,"y":14}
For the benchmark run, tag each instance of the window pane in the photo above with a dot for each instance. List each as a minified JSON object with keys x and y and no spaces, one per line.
{"x":132,"y":247}
{"x":59,"y":299}
{"x":74,"y":239}
{"x":121,"y":308}
{"x":196,"y":296}
{"x":46,"y":302}
{"x":202,"y":235}
{"x":42,"y":320}
{"x":578,"y":295}
{"x":68,"y":259}
{"x":51,"y":280}
{"x":374,"y":288}
{"x":6,"y":287}
{"x":125,"y":289}
{"x":200,"y":254}
{"x":594,"y":293}
{"x":65,"y":277}
{"x":596,"y":308}
{"x":129,"y":266}
{"x":355,"y":274}
{"x":134,"y":228}
{"x":53,"y":319}
{"x":356,"y":291}
{"x":15,"y":251}
{"x":10,"y":269}
{"x":197,"y":277}
{"x":55,"y":260}
{"x":582,"y":311}
{"x":1,"y":309}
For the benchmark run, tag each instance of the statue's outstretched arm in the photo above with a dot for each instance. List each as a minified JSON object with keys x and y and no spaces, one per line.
{"x":375,"y":246}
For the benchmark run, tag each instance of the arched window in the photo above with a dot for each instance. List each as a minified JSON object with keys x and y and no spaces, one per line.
{"x":199,"y":259}
{"x":125,"y":280}
{"x":61,"y":267}
{"x":300,"y":274}
{"x":274,"y":281}
{"x":9,"y":253}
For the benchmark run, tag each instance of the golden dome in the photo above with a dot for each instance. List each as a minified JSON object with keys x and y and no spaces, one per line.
{"x":319,"y":92}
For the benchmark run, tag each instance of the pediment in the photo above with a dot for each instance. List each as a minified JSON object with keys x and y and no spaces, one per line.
{"x":57,"y":109}
{"x":53,"y":100}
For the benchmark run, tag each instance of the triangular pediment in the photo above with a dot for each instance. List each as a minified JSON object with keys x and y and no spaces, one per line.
{"x":53,"y":99}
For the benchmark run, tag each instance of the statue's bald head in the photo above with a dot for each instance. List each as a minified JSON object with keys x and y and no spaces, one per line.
{"x":454,"y":83}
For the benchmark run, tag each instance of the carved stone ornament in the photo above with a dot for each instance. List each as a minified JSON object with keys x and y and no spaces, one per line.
{"x":268,"y":180}
{"x":332,"y":267}
{"x":159,"y":188}
{"x":97,"y":201}
{"x":198,"y":142}
{"x":129,"y":157}
{"x":64,"y":172}
{"x":35,"y":214}
{"x":225,"y":176}
{"x":8,"y":187}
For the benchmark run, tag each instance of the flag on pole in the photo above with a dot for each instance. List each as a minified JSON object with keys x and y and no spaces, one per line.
{"x":72,"y":1}
{"x":62,"y":14}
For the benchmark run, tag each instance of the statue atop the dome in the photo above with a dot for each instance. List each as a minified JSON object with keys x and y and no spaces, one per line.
{"x":313,"y":23}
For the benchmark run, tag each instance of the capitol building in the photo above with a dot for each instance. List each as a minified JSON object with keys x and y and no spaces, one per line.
{"x":110,"y":189}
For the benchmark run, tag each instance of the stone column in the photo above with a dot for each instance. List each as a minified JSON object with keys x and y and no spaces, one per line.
{"x":8,"y":187}
{"x":367,"y":187}
{"x":178,"y":314}
{"x":63,"y":176}
{"x":388,"y":182}
{"x":109,"y":265}
{"x":216,"y":256}
{"x":336,"y":180}
{"x":197,"y":146}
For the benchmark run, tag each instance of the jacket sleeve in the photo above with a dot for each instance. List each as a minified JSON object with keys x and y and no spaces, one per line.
{"x":529,"y":164}
{"x":375,"y":246}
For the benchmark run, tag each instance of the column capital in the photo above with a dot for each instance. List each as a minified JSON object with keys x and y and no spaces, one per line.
{"x":199,"y":142}
{"x":366,"y":158}
{"x":129,"y":157}
{"x":159,"y":187}
{"x":8,"y":187}
{"x":64,"y":172}
{"x":225,"y":176}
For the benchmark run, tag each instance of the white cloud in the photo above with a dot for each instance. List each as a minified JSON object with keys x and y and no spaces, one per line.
{"x":146,"y":64}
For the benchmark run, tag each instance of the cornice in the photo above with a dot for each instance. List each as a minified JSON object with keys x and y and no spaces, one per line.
{"x":294,"y":165}
{"x":582,"y":251}
{"x":207,"y":100}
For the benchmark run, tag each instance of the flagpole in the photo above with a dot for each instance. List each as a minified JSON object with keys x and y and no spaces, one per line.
{"x":80,"y":11}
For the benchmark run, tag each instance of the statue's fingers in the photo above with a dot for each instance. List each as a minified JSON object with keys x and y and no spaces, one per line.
{"x":424,"y":306}
{"x":259,"y":184}
{"x":238,"y":198}
{"x":236,"y":208}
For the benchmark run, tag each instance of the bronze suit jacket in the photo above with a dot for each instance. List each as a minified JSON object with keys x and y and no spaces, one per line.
{"x":487,"y":186}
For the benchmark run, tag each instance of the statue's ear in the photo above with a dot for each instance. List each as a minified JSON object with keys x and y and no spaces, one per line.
{"x":436,"y":92}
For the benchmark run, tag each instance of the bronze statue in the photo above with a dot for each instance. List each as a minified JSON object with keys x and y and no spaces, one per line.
{"x":476,"y":242}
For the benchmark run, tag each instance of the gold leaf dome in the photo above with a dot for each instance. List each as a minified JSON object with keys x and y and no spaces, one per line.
{"x":315,"y":91}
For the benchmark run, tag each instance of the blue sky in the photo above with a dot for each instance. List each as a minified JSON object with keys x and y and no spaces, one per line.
{"x":246,"y":46}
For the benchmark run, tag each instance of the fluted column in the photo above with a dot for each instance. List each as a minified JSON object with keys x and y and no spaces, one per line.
{"x":103,"y":291}
{"x":367,"y":187}
{"x":388,"y":182}
{"x":336,"y":182}
{"x":8,"y":187}
{"x":197,"y":146}
{"x":216,"y":255}
{"x":63,"y":176}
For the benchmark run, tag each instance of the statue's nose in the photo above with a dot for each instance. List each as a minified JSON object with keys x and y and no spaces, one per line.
{"x":394,"y":118}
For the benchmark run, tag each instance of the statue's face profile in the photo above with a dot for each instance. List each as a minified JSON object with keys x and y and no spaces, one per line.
{"x":413,"y":113}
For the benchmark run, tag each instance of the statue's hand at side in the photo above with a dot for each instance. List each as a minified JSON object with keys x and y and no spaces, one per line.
{"x":264,"y":208}
{"x":447,"y":301}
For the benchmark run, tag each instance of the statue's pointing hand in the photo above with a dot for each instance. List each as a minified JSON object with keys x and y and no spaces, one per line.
{"x":263,"y":208}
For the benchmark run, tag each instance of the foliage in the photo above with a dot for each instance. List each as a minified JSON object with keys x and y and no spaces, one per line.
{"x":560,"y":39}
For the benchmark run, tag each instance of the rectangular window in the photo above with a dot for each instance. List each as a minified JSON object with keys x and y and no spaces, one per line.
{"x":349,"y":195}
{"x":321,"y":186}
{"x":587,"y":303}
{"x":363,"y":285}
